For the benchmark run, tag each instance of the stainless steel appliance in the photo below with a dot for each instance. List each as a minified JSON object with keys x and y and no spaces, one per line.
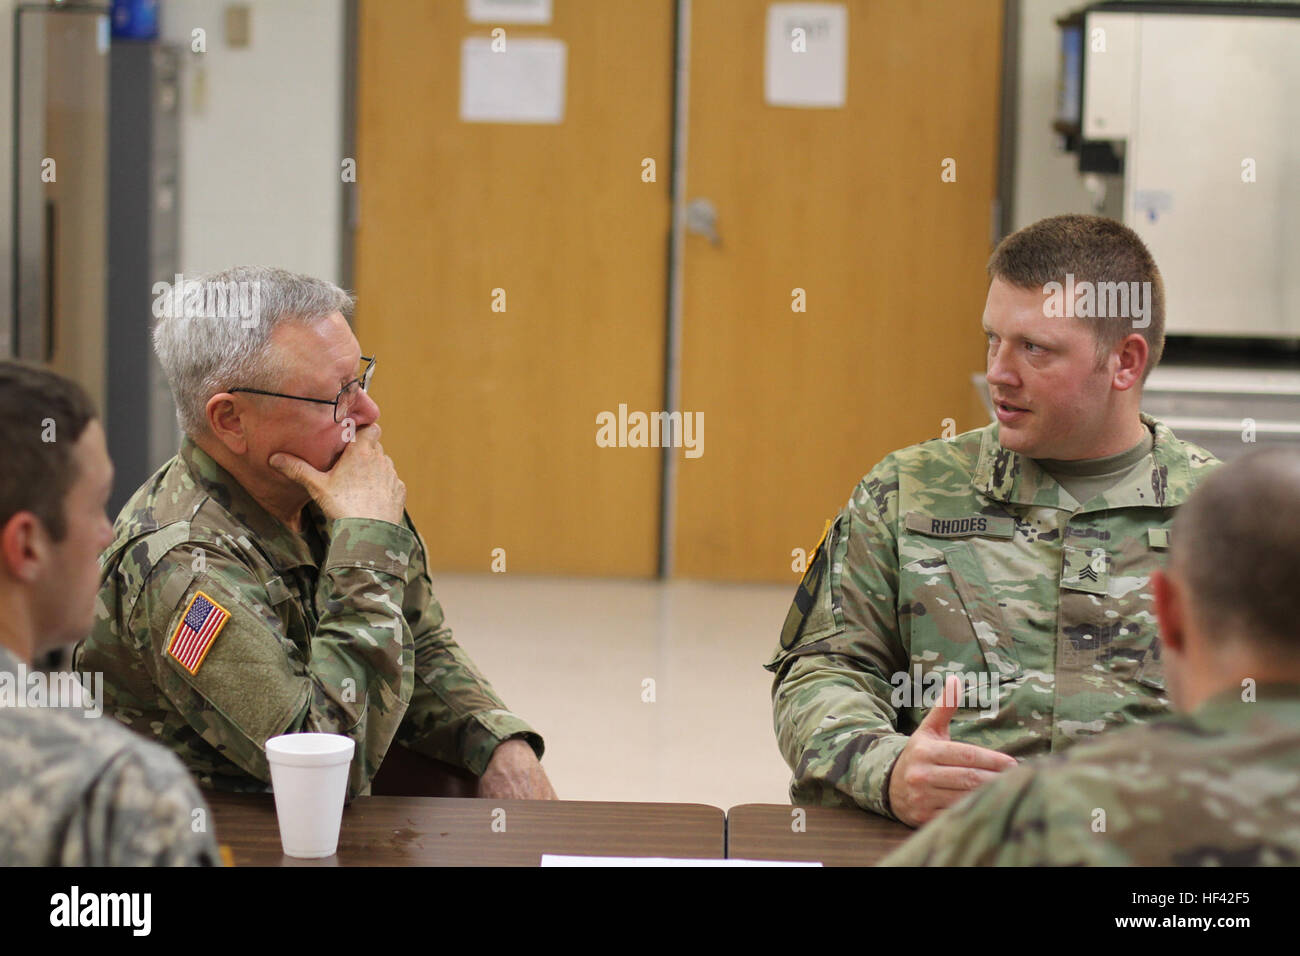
{"x":60,"y":181}
{"x":96,"y":219}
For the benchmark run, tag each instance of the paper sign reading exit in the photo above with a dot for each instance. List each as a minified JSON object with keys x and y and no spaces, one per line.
{"x":807,"y":55}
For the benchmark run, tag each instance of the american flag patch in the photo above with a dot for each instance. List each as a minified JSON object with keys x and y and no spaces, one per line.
{"x":193,"y":638}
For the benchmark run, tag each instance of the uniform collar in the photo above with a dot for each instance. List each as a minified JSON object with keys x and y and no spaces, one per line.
{"x":284,"y":547}
{"x":1227,"y":709}
{"x":1005,"y":475}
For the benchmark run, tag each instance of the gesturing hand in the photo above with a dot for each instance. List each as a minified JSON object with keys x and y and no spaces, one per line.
{"x":932,"y":771}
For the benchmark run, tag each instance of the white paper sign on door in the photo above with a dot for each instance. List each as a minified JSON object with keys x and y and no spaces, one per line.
{"x":807,"y":55}
{"x":524,"y":83}
{"x":508,"y":11}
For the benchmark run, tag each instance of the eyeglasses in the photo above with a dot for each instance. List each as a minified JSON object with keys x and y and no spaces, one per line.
{"x":343,"y":402}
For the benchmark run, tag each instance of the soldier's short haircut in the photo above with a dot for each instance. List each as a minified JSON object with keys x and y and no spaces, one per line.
{"x":44,"y":416}
{"x":1236,"y":546}
{"x":203,"y":355}
{"x":1093,"y":249}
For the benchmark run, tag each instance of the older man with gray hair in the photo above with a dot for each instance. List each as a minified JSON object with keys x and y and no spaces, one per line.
{"x":267,"y":580}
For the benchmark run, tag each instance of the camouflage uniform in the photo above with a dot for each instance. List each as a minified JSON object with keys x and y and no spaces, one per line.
{"x":334,"y":630}
{"x":1219,"y":787}
{"x":81,"y":791}
{"x":959,"y":556}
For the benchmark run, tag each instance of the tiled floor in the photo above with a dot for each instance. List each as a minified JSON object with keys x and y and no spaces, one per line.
{"x":573,"y":657}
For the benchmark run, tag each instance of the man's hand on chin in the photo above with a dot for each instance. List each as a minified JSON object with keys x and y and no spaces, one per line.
{"x":362,"y":484}
{"x":514,"y":772}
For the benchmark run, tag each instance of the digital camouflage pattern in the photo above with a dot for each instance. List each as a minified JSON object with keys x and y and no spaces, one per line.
{"x":81,"y":791}
{"x":335,"y":630}
{"x":958,"y":556}
{"x":1219,"y":787}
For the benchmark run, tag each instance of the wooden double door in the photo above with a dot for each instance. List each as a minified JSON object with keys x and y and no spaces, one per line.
{"x":514,"y":278}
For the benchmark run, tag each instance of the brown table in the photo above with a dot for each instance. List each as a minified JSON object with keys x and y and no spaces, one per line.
{"x":831,"y":835}
{"x":444,"y":831}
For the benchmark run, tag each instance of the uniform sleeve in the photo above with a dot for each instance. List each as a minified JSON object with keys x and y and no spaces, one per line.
{"x":142,"y":810}
{"x":355,"y":677}
{"x":455,"y":715}
{"x":831,"y":700}
{"x":1003,"y":823}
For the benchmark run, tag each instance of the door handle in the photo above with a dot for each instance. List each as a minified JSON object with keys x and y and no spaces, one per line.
{"x":702,"y":220}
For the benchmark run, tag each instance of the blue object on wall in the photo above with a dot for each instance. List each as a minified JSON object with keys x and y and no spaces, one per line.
{"x":135,"y":19}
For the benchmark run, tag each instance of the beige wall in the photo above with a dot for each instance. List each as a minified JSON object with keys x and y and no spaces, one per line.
{"x":260,"y":137}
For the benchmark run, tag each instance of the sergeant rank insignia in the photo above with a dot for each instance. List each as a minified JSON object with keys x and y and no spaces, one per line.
{"x":198,"y":629}
{"x":1085,"y":570}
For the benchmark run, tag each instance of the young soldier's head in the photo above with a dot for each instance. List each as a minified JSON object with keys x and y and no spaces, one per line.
{"x":1075,"y":321}
{"x":1229,"y":602}
{"x":55,"y":479}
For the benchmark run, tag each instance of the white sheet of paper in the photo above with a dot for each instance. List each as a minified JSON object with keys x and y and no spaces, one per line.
{"x":558,"y":859}
{"x":508,"y":11}
{"x":818,"y":77}
{"x":522,"y":84}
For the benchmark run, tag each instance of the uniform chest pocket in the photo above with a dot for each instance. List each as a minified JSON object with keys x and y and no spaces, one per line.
{"x":952,"y":612}
{"x":1109,"y":643}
